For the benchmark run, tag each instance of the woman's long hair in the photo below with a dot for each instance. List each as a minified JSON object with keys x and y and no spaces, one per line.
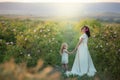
{"x":87,"y":30}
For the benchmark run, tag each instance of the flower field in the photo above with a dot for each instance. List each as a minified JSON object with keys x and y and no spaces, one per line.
{"x":29,"y":48}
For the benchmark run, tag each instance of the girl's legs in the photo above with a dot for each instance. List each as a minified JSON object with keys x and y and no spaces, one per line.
{"x":66,"y":67}
{"x":63,"y":66}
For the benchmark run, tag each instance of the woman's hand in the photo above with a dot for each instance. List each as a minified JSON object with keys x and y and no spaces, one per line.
{"x":76,"y":48}
{"x":73,"y":51}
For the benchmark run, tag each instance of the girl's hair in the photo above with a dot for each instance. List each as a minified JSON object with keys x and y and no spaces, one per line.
{"x":63,"y":47}
{"x":87,"y":30}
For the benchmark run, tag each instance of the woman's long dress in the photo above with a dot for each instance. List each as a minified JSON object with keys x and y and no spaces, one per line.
{"x":83,"y":63}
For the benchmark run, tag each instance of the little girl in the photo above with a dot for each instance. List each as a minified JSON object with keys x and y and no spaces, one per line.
{"x":64,"y":53}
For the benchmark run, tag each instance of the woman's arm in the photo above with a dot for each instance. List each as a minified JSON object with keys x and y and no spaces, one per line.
{"x":75,"y":47}
{"x":68,"y":52}
{"x":78,"y":44}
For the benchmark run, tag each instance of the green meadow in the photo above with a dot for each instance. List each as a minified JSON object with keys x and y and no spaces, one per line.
{"x":29,"y":48}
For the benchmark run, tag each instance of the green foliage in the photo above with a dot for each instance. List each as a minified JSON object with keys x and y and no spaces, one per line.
{"x":92,"y":23}
{"x":106,"y":49}
{"x":2,"y":49}
{"x":28,"y":40}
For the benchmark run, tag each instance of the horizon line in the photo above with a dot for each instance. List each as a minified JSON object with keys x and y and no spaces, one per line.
{"x":55,"y":2}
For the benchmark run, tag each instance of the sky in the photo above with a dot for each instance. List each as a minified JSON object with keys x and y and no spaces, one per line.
{"x":82,"y":1}
{"x":56,"y":9}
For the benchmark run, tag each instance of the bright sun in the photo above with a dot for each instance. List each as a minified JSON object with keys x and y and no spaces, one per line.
{"x":68,"y":9}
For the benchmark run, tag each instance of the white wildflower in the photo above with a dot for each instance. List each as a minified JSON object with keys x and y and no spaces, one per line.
{"x":97,"y":46}
{"x":93,"y":35}
{"x":40,"y":30}
{"x":106,"y":43}
{"x":102,"y":37}
{"x":35,"y":36}
{"x":25,"y":39}
{"x":11,"y":42}
{"x":20,"y":32}
{"x":21,"y":53}
{"x":28,"y":55}
{"x":48,"y":30}
{"x":53,"y":38}
{"x":34,"y":30}
{"x":0,"y":39}
{"x":50,"y":50}
{"x":56,"y":41}
{"x":101,"y":46}
{"x":115,"y":32}
{"x":119,"y":50}
{"x":14,"y":29}
{"x":38,"y":51}
{"x":7,"y":43}
{"x":22,"y":35}
{"x":38,"y":37}
{"x":44,"y":35}
{"x":105,"y":35}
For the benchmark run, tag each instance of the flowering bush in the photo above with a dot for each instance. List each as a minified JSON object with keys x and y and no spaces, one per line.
{"x":106,"y":49}
{"x":28,"y":40}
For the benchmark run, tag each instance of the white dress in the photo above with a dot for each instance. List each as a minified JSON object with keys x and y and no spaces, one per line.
{"x":83,"y":63}
{"x":64,"y":57}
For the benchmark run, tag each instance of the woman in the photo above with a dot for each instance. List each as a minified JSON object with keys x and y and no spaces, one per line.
{"x":83,"y":63}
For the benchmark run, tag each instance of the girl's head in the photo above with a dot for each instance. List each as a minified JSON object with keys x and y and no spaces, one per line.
{"x":63,"y":46}
{"x":85,"y":29}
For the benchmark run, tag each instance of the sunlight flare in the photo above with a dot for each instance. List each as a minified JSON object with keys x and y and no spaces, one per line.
{"x":69,"y":10}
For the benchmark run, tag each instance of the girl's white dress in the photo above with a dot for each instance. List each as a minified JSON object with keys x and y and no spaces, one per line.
{"x":83,"y":63}
{"x":64,"y":57}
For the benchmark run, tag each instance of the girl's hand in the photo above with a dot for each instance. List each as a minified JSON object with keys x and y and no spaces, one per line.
{"x":73,"y":51}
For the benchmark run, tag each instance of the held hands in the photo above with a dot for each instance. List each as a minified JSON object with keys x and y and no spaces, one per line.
{"x":73,"y":51}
